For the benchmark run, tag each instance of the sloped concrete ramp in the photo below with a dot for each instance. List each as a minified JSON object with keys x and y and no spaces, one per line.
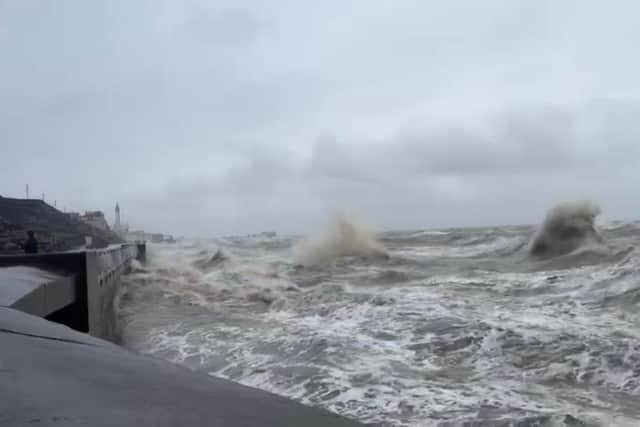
{"x":51,"y":375}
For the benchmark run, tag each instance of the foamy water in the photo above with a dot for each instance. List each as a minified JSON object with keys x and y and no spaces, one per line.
{"x":456,"y":326}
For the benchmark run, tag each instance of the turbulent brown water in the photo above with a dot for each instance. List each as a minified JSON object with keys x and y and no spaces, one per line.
{"x":455,"y":327}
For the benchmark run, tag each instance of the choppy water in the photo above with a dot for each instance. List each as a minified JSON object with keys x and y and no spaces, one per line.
{"x":457,"y":326}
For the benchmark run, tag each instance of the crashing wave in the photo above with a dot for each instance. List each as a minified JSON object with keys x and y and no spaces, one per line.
{"x":344,"y":238}
{"x":210,"y":262}
{"x":567,"y":227}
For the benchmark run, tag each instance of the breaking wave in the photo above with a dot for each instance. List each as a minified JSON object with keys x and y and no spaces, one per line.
{"x":208,"y":262}
{"x":345,"y":237}
{"x":567,"y":227}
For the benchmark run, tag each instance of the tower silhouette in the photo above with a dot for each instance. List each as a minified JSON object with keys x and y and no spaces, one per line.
{"x":117,"y":224}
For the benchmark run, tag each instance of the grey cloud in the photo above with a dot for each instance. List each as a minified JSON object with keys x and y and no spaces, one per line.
{"x":428,"y":179}
{"x":206,"y":117}
{"x":515,"y":141}
{"x":228,"y":26}
{"x":512,"y":142}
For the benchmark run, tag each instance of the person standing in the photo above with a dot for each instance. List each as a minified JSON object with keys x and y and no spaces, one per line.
{"x":31,"y":245}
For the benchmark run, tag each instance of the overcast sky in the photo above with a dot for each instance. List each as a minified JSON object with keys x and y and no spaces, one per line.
{"x":219,"y":117}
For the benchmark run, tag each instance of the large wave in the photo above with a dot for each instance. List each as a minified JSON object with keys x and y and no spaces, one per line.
{"x":208,"y":262}
{"x":344,"y":237}
{"x":567,"y":227}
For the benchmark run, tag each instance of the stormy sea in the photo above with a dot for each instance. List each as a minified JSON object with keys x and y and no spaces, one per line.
{"x":502,"y":326}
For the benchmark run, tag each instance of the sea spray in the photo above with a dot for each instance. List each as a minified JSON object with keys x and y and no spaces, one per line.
{"x":567,"y":227}
{"x":344,"y":237}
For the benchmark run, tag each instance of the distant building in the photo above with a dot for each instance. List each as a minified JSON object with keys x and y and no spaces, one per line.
{"x":134,"y":236}
{"x":139,"y":235}
{"x":96,"y":219}
{"x":269,"y":234}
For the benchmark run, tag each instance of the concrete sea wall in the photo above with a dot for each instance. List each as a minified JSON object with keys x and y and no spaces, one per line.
{"x":82,"y":283}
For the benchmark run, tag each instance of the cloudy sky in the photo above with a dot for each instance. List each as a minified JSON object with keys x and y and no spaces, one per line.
{"x":217,"y":117}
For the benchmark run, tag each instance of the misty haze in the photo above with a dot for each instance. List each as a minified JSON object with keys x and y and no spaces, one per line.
{"x":405,"y":213}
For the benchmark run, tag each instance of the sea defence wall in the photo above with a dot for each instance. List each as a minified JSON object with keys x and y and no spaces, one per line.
{"x":76,"y":289}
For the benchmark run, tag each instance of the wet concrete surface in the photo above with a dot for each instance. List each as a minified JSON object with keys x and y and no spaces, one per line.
{"x":51,"y":375}
{"x":35,"y":291}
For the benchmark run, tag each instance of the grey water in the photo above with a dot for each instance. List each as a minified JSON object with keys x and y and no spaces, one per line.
{"x":453,"y":327}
